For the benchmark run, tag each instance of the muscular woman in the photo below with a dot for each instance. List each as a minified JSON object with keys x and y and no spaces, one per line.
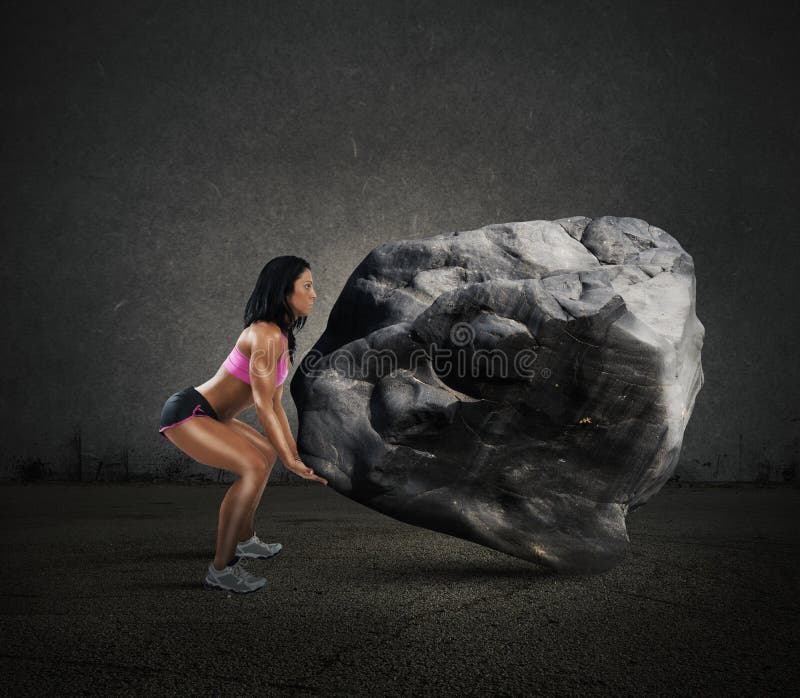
{"x":253,"y":374}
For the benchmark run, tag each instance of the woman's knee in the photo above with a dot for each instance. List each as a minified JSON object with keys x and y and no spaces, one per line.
{"x":258,"y":440}
{"x":256,"y":468}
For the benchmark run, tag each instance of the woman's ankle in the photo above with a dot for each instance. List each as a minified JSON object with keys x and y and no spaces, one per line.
{"x":219,"y":567}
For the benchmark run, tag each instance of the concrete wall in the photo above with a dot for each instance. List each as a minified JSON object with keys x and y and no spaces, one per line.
{"x":156,"y":156}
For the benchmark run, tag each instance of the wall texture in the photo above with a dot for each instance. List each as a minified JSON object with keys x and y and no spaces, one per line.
{"x":156,"y":156}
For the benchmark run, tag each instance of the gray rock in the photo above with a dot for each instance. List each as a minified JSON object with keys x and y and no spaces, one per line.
{"x":573,"y":367}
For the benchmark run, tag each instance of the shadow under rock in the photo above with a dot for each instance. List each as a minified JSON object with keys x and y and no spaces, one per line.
{"x":457,"y":571}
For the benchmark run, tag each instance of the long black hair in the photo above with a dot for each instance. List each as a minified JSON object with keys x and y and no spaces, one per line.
{"x":267,"y":302}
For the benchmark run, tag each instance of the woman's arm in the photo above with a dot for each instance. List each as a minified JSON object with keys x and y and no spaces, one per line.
{"x":265,"y":350}
{"x":266,"y":346}
{"x":277,"y":407}
{"x":287,"y":432}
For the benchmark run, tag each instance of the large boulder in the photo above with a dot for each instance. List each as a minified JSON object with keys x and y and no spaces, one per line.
{"x":522,"y":385}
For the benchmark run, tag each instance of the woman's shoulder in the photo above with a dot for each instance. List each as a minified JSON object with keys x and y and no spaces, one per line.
{"x":261,"y":331}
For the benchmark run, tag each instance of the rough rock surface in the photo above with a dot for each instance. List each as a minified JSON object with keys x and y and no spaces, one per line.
{"x":573,"y":367}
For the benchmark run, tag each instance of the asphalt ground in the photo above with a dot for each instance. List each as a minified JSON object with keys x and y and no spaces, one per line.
{"x":102,"y":595}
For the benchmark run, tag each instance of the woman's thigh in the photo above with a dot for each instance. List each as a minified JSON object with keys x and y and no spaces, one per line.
{"x":218,"y":444}
{"x":256,"y":438}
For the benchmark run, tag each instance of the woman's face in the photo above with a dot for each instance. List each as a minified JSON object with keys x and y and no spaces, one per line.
{"x":301,"y":299}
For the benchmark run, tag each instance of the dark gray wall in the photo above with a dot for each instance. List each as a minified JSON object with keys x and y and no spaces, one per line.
{"x":155,"y":157}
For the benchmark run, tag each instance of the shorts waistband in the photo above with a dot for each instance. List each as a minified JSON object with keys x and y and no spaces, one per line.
{"x":201,"y":399}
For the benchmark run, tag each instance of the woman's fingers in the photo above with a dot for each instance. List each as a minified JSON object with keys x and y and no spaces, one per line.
{"x":311,"y":475}
{"x":306,"y":472}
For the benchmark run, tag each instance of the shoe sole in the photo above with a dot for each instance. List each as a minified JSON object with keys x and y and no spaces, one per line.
{"x":253,"y":556}
{"x":216,"y":587}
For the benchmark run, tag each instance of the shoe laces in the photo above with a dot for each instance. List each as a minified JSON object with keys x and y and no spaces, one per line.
{"x":239,"y":570}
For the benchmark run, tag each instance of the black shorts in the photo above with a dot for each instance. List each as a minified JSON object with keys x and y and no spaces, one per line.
{"x":183,"y":405}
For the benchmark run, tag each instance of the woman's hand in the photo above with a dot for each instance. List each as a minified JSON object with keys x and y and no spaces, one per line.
{"x":299,"y":468}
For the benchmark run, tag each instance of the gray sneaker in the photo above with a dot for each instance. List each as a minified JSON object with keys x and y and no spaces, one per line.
{"x":257,"y":549}
{"x":233,"y":578}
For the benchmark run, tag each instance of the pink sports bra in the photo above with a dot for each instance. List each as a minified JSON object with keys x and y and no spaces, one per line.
{"x":239,"y":365}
